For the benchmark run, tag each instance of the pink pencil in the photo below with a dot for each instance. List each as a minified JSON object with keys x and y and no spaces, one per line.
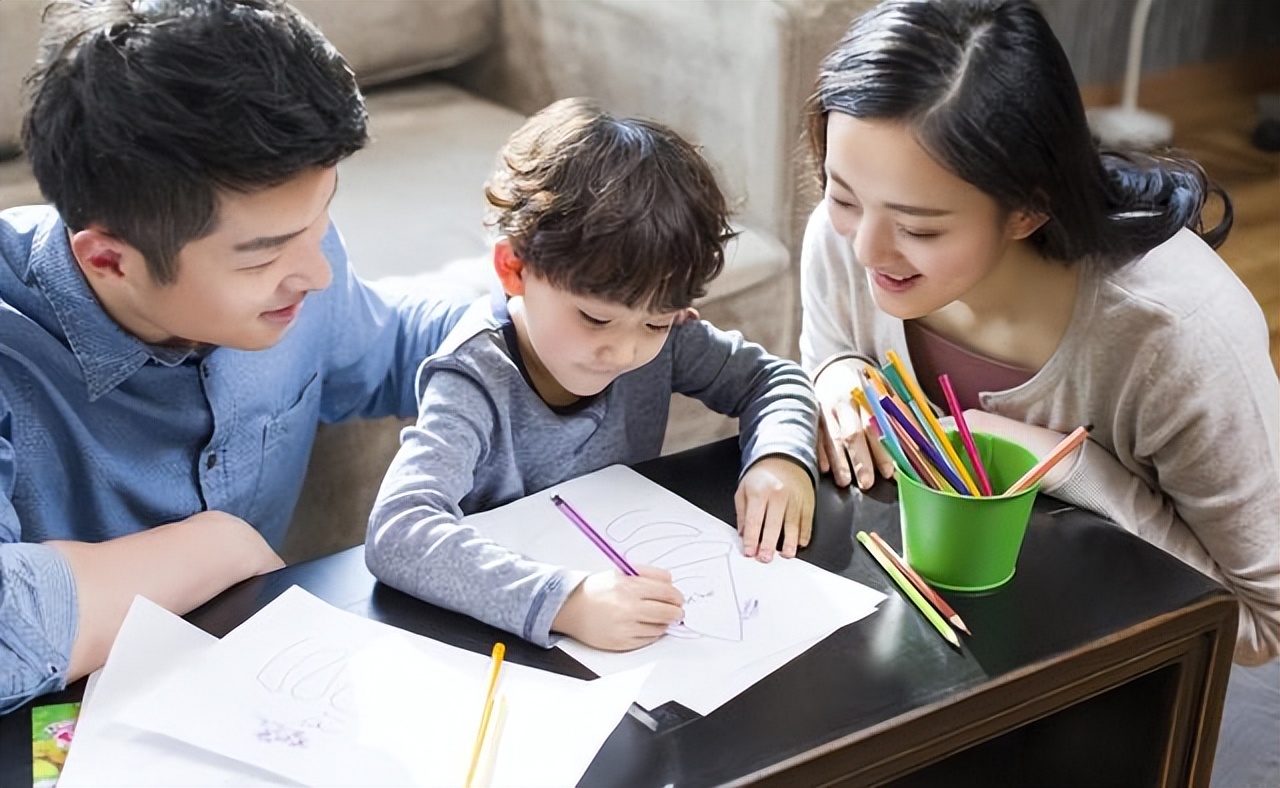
{"x":1064,"y":447}
{"x":954,"y":404}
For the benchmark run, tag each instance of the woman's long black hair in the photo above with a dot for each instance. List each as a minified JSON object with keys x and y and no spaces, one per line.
{"x":989,"y":92}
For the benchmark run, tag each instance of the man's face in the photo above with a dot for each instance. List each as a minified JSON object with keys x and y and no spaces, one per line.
{"x":242,"y":286}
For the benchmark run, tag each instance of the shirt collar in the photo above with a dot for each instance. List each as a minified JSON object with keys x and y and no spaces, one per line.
{"x":107,"y":353}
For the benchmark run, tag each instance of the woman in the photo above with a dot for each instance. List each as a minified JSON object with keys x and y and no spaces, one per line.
{"x":970,"y":223}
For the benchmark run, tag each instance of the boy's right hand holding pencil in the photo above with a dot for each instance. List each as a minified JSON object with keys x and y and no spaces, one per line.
{"x":615,"y":611}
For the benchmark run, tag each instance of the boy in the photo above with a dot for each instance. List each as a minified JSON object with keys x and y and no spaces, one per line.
{"x":610,"y":228}
{"x":169,"y":337}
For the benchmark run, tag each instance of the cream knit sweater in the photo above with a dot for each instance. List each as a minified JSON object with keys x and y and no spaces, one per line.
{"x":1167,"y":358}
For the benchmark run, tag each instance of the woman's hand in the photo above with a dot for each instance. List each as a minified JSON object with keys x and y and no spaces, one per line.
{"x":845,"y":449}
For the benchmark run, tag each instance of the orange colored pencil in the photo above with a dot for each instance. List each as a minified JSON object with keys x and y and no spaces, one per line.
{"x":923,"y":587}
{"x":1037,"y":472}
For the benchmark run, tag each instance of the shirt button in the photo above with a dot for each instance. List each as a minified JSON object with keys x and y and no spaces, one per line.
{"x":212,"y":461}
{"x":204,"y":370}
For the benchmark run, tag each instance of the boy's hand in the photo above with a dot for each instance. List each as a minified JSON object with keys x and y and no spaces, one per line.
{"x":617,"y":612}
{"x":774,"y":497}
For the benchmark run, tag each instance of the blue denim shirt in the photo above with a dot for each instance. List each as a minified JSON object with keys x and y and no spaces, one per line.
{"x":102,"y":435}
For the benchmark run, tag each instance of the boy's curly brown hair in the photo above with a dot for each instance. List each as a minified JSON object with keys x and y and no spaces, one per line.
{"x":621,"y":209}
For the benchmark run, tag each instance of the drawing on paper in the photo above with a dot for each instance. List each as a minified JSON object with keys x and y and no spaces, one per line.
{"x":698,"y":561}
{"x":308,"y":692}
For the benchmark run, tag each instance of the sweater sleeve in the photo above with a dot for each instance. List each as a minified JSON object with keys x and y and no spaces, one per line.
{"x":417,"y":542}
{"x":1203,"y":420}
{"x":826,"y":292}
{"x":770,"y":396}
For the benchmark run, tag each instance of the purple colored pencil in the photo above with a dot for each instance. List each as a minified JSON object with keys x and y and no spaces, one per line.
{"x":596,"y":539}
{"x":939,"y":462}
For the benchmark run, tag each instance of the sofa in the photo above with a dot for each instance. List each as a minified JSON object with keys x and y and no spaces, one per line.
{"x":448,"y":80}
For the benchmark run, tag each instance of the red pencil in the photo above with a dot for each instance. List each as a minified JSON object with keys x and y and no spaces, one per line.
{"x":954,"y":404}
{"x":924,"y":588}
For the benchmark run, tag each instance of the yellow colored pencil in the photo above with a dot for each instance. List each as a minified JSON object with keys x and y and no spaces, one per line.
{"x":914,"y":387}
{"x":921,"y":585}
{"x":904,"y":584}
{"x":499,"y":651}
{"x":489,"y":752}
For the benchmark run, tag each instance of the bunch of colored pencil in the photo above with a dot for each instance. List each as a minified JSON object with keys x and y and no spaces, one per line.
{"x":935,"y":609}
{"x":904,"y":423}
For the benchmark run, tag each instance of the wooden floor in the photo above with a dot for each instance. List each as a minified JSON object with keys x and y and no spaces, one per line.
{"x":1214,"y":115}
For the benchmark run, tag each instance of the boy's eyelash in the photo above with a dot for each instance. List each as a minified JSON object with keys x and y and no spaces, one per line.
{"x":595,"y":321}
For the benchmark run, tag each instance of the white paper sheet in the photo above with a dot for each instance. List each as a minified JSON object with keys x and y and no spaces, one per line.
{"x":325,"y":697}
{"x":743,"y":619}
{"x":152,"y":644}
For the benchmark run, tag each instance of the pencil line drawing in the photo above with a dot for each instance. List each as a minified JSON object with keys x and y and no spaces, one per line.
{"x":307,"y":691}
{"x":698,"y":560}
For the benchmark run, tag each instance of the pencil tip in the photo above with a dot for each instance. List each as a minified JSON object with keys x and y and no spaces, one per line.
{"x":958,"y":623}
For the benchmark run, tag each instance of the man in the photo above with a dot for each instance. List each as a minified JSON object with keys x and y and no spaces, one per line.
{"x":175,"y":325}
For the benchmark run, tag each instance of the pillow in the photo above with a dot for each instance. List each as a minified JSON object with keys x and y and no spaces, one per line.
{"x":385,"y":40}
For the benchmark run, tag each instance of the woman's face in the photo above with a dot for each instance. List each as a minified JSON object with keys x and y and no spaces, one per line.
{"x":926,"y":237}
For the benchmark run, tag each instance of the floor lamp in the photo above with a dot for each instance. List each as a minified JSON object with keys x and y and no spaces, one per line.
{"x":1128,"y":126}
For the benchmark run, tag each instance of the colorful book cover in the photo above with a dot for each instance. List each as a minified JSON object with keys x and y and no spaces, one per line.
{"x":52,"y":727}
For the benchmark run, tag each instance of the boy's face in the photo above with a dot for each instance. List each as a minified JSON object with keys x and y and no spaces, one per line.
{"x":574,"y":346}
{"x":242,"y":286}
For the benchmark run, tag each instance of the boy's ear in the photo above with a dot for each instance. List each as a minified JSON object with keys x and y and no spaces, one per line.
{"x":509,"y":267}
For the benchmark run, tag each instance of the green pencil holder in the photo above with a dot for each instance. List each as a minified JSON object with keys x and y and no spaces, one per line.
{"x":967,"y":543}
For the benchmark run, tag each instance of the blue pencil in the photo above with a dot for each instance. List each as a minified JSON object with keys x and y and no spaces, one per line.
{"x":926,"y":446}
{"x":886,"y":427}
{"x":596,"y":539}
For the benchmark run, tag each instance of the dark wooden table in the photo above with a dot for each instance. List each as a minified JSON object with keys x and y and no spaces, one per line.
{"x":1103,"y":662}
